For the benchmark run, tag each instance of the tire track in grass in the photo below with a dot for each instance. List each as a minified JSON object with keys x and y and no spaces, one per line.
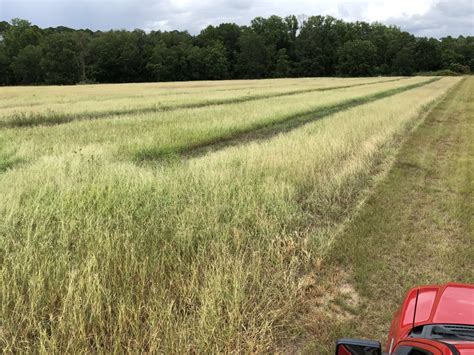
{"x":7,"y":160}
{"x":263,"y":131}
{"x":7,"y":164}
{"x":212,"y":89}
{"x":20,"y":120}
{"x":161,"y":94}
{"x":415,"y":228}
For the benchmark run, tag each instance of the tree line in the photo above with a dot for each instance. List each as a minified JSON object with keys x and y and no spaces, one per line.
{"x":271,"y":47}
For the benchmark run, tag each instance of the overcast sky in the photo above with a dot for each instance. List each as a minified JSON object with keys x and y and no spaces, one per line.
{"x":420,"y":17}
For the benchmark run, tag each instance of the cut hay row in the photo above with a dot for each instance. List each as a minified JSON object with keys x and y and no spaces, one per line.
{"x":153,"y":136}
{"x":34,"y":95}
{"x":53,"y":114}
{"x":220,"y":138}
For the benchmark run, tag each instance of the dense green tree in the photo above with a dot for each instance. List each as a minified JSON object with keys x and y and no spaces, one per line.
{"x":4,"y":26}
{"x":278,"y":34}
{"x":26,"y":66}
{"x":268,"y":47}
{"x":317,"y":45}
{"x":228,"y":34}
{"x":460,"y":68}
{"x":61,"y":59}
{"x":309,"y":58}
{"x":283,"y":64}
{"x":397,"y":41}
{"x":170,"y":63}
{"x":82,"y":40}
{"x":160,"y":64}
{"x":404,"y":62}
{"x":427,"y":55}
{"x":4,"y":65}
{"x":253,"y":60}
{"x":292,"y":26}
{"x":172,"y":38}
{"x":208,"y":62}
{"x":457,"y":50}
{"x":449,"y":56}
{"x":357,"y":58}
{"x":19,"y":35}
{"x":116,"y":57}
{"x":217,"y":64}
{"x":274,"y":30}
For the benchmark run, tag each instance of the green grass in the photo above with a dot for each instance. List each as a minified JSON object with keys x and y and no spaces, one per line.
{"x":444,"y":72}
{"x":7,"y":159}
{"x":216,"y":253}
{"x":415,"y":229}
{"x":8,"y":163}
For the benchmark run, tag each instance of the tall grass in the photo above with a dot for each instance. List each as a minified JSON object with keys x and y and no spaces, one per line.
{"x":24,"y":97}
{"x":96,"y":105}
{"x":153,"y":136}
{"x":206,"y":255}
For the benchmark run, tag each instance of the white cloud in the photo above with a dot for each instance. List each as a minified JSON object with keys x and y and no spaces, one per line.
{"x":421,"y":17}
{"x":382,"y":10}
{"x":443,"y":18}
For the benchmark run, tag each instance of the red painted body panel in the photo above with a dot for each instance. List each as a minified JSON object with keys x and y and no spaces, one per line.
{"x":424,"y":305}
{"x":434,"y":347}
{"x":464,"y":348}
{"x":402,"y":321}
{"x":456,"y":305}
{"x":435,"y":304}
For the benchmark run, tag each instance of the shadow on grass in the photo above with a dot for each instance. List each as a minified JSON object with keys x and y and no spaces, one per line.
{"x":7,"y":164}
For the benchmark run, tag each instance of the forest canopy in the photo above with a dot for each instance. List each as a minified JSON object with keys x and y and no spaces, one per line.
{"x":268,"y":48}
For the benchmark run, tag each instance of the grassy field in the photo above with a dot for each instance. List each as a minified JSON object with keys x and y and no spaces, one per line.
{"x":197,"y":217}
{"x":416,"y":228}
{"x":59,"y":105}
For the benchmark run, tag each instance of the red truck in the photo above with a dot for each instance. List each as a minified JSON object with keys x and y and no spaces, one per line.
{"x":432,"y":320}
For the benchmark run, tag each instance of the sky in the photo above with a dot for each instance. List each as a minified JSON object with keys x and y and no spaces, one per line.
{"x":431,"y":18}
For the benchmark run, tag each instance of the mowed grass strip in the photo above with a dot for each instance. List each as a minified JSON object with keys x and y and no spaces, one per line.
{"x":7,"y":159}
{"x":64,"y":113}
{"x":26,"y":97}
{"x":210,"y":255}
{"x":266,"y":130}
{"x":201,"y":130}
{"x":416,"y":229}
{"x":151,"y":137}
